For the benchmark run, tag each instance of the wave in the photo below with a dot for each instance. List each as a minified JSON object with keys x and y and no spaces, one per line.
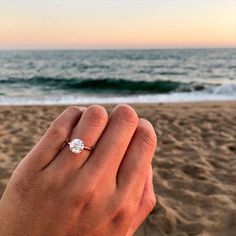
{"x":118,"y":86}
{"x":99,"y":85}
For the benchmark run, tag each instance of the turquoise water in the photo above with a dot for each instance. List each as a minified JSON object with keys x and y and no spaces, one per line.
{"x":98,"y":76}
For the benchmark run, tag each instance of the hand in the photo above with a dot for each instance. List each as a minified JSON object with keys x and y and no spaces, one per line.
{"x":107,"y":192}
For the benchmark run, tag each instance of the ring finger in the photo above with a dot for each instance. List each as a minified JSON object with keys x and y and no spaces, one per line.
{"x":89,"y":129}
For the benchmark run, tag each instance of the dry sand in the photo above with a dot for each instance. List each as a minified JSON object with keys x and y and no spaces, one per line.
{"x":194,"y":167}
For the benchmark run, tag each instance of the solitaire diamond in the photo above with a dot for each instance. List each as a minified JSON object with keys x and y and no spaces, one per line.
{"x":76,"y":146}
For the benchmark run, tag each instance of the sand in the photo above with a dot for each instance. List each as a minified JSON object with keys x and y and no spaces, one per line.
{"x":194,"y":166}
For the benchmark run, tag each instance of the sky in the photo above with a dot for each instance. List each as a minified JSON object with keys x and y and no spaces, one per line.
{"x":86,"y":24}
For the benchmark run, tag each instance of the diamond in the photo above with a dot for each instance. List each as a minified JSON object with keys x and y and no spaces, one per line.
{"x":76,"y":146}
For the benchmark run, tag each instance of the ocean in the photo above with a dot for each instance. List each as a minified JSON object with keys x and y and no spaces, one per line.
{"x":115,"y":76}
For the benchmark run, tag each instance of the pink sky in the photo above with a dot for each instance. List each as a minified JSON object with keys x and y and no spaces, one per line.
{"x":117,"y":24}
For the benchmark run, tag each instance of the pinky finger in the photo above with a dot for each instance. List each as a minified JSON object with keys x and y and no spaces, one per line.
{"x":147,"y":203}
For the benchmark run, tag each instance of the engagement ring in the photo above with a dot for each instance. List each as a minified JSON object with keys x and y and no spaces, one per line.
{"x":77,"y":146}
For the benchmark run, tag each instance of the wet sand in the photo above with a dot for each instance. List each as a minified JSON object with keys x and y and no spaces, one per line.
{"x":194,"y":166}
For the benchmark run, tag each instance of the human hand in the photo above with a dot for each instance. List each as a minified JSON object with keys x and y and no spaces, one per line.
{"x":107,"y":192}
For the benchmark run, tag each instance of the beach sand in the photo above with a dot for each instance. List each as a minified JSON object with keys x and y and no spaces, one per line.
{"x":194,"y":166}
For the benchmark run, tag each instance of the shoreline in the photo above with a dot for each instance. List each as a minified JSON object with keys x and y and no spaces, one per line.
{"x":204,"y":103}
{"x":194,"y":167}
{"x":141,"y":99}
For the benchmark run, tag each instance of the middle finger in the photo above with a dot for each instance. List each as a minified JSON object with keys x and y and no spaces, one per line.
{"x":114,"y":142}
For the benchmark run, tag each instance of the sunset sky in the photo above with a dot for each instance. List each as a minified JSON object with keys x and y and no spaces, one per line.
{"x":117,"y":24}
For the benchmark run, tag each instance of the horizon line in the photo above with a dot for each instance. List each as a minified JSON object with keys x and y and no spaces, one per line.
{"x":112,"y":49}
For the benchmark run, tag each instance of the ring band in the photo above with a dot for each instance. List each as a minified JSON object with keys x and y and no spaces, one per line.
{"x":77,"y":146}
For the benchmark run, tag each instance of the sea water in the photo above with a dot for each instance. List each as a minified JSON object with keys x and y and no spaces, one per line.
{"x":112,"y":76}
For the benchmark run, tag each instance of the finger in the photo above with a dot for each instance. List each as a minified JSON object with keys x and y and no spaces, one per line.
{"x":147,"y":203}
{"x":89,"y":129}
{"x":113,"y":143}
{"x":49,"y":145}
{"x":134,"y":167}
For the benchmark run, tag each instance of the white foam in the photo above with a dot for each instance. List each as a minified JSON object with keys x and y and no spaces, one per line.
{"x":224,"y":89}
{"x":164,"y":98}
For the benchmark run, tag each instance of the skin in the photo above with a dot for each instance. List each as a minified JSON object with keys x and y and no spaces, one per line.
{"x":106,"y":192}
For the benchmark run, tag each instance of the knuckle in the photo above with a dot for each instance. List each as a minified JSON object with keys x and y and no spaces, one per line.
{"x":127,"y":113}
{"x":97,"y":115}
{"x":57,"y":127}
{"x":151,"y":203}
{"x":122,"y":213}
{"x":147,"y":135}
{"x":57,"y":130}
{"x":83,"y":196}
{"x":89,"y":192}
